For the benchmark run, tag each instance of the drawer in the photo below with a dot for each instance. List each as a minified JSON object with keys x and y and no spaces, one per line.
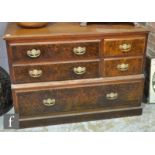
{"x":124,"y":46}
{"x":79,"y":98}
{"x":55,"y":72}
{"x":37,"y":52}
{"x":122,"y":66}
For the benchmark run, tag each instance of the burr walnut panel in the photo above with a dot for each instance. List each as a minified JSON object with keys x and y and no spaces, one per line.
{"x":56,"y":101}
{"x":55,"y":72}
{"x":134,"y":46}
{"x":122,"y":66}
{"x":36,"y":52}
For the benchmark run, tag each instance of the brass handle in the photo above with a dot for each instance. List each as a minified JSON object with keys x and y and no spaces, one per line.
{"x":35,"y":73}
{"x":112,"y":96}
{"x":33,"y":53}
{"x":125,"y":47}
{"x":79,"y":50}
{"x":49,"y":102}
{"x":79,"y":70}
{"x":123,"y":67}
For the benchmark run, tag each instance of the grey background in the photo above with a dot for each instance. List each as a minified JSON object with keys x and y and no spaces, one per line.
{"x":3,"y":53}
{"x":15,"y":121}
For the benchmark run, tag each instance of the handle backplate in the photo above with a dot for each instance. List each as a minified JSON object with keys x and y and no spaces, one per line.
{"x":125,"y":47}
{"x":35,"y":73}
{"x":33,"y":53}
{"x":49,"y":102}
{"x":79,"y":70}
{"x":79,"y":50}
{"x":123,"y":67}
{"x":112,"y":96}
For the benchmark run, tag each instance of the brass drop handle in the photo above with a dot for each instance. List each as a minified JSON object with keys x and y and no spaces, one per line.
{"x":49,"y":102}
{"x":125,"y":47}
{"x":123,"y":67}
{"x":79,"y":50}
{"x":112,"y":96}
{"x":79,"y":70}
{"x":35,"y":73}
{"x":33,"y":53}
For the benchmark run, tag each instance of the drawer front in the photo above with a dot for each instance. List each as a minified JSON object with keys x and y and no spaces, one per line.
{"x":56,"y":101}
{"x":54,"y":52}
{"x":124,"y":46}
{"x":121,"y":67}
{"x":55,"y":72}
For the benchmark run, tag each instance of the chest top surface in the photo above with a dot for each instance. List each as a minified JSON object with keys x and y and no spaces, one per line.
{"x":13,"y":31}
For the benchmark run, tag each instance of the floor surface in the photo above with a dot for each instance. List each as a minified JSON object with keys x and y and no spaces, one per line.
{"x":145,"y":122}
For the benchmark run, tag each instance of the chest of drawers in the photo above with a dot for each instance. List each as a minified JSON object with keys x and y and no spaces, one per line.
{"x":66,"y":73}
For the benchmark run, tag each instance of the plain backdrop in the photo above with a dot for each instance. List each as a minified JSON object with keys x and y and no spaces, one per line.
{"x":3,"y":53}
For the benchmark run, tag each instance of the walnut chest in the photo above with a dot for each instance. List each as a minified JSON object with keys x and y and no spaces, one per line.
{"x":66,"y":73}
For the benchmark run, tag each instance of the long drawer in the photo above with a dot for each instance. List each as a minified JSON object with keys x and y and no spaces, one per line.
{"x":37,"y":52}
{"x":35,"y":102}
{"x":55,"y":72}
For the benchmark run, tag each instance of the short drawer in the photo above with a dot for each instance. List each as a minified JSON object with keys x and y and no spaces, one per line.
{"x":122,"y":66}
{"x":124,"y":46}
{"x":55,"y":72}
{"x":79,"y":99}
{"x":36,"y":52}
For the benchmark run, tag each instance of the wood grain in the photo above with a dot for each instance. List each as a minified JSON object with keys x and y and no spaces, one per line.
{"x":53,"y":51}
{"x":55,"y":72}
{"x":71,"y":30}
{"x":111,"y":46}
{"x":79,"y":117}
{"x":135,"y":66}
{"x":79,"y":99}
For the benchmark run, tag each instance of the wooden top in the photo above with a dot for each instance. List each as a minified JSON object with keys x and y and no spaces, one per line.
{"x":70,"y":29}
